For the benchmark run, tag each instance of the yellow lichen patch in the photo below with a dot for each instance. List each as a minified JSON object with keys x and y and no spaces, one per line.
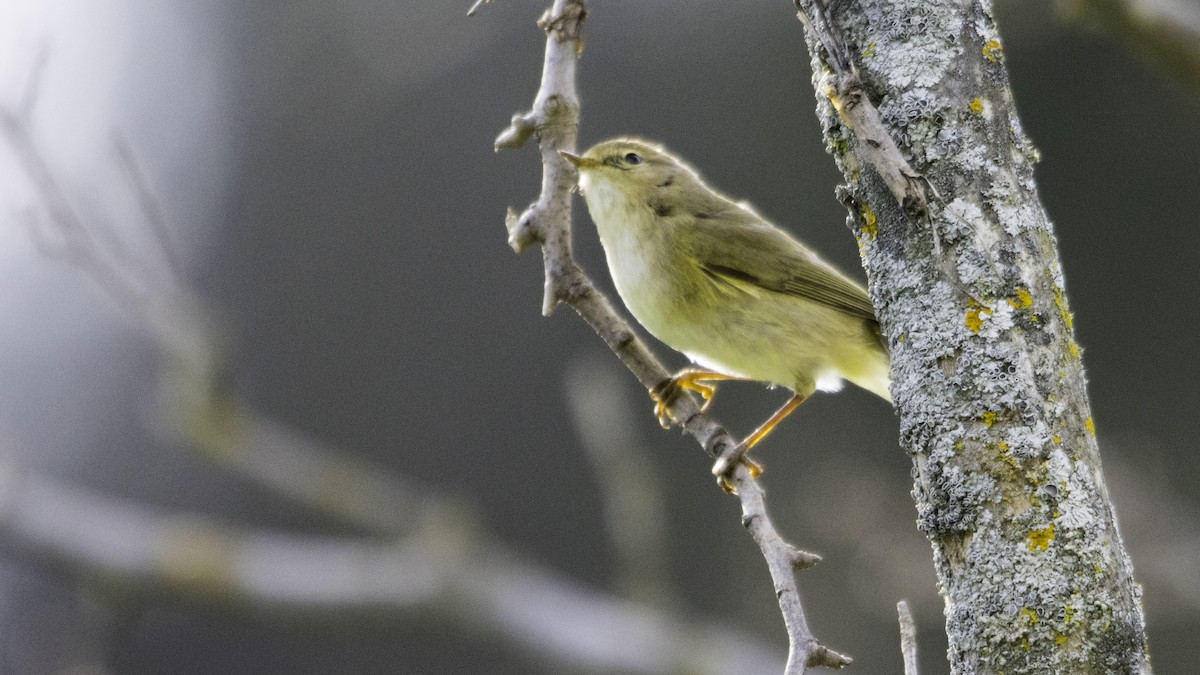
{"x":992,"y":50}
{"x":838,"y":104}
{"x":1091,"y":425}
{"x":977,"y":105}
{"x":989,"y":418}
{"x":869,"y":51}
{"x":1023,"y":299}
{"x":870,"y":222}
{"x":1012,"y":463}
{"x":1069,"y":614}
{"x":1039,"y":540}
{"x":1060,"y":639}
{"x":975,"y":316}
{"x":1073,"y":347}
{"x":1057,"y":439}
{"x":1003,"y":446}
{"x":1060,"y":301}
{"x":1030,"y":614}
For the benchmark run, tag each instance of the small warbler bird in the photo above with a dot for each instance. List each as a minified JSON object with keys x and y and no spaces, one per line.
{"x":714,"y":280}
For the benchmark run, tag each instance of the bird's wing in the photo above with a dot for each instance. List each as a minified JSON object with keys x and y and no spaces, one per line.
{"x":770,"y":259}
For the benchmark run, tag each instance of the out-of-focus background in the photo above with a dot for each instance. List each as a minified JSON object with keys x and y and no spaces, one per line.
{"x":276,"y":396}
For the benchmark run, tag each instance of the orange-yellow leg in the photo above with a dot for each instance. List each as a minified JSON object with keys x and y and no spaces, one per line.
{"x":689,"y":379}
{"x":737,"y":454}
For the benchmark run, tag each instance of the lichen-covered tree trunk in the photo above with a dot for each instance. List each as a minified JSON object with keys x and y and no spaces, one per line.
{"x":987,"y":374}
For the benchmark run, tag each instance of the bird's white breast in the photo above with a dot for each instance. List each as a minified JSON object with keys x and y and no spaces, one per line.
{"x":622,"y":226}
{"x":639,"y":273}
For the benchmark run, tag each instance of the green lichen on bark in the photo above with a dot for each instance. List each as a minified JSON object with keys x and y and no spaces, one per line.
{"x":987,"y":375}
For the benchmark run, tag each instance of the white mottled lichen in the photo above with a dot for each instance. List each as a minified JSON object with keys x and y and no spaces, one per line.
{"x":986,"y":372}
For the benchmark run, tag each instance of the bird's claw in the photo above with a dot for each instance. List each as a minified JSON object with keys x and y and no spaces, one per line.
{"x":727,"y":463}
{"x":666,"y":392}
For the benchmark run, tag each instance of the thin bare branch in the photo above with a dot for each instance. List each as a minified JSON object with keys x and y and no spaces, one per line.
{"x":908,"y":638}
{"x":633,"y":500}
{"x":553,"y":119}
{"x":475,"y":7}
{"x":152,"y":209}
{"x":72,"y":241}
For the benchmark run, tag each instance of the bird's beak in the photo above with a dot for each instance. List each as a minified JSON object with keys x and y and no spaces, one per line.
{"x":579,"y":162}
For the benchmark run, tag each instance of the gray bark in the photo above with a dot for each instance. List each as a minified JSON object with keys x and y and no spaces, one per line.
{"x":987,"y":376}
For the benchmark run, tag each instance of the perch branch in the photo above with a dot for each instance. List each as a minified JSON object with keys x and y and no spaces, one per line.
{"x":554,"y":119}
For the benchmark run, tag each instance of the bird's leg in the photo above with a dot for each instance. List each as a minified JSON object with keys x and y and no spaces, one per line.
{"x":737,"y":454}
{"x":689,"y":379}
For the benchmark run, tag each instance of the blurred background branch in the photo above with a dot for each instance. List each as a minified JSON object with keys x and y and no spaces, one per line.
{"x":630,"y":484}
{"x":1165,"y":31}
{"x":446,"y":569}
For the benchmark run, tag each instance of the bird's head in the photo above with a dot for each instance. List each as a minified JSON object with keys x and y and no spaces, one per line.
{"x":636,"y":168}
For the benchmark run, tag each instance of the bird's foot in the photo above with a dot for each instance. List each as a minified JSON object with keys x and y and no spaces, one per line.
{"x":727,"y":463}
{"x":666,"y":392}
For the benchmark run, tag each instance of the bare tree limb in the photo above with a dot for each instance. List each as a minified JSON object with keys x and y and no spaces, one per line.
{"x":553,"y":119}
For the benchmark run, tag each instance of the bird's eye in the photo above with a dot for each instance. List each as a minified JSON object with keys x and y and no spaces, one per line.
{"x":633,"y":158}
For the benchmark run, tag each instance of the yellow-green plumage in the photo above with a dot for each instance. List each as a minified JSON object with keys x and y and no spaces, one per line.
{"x":714,"y":280}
